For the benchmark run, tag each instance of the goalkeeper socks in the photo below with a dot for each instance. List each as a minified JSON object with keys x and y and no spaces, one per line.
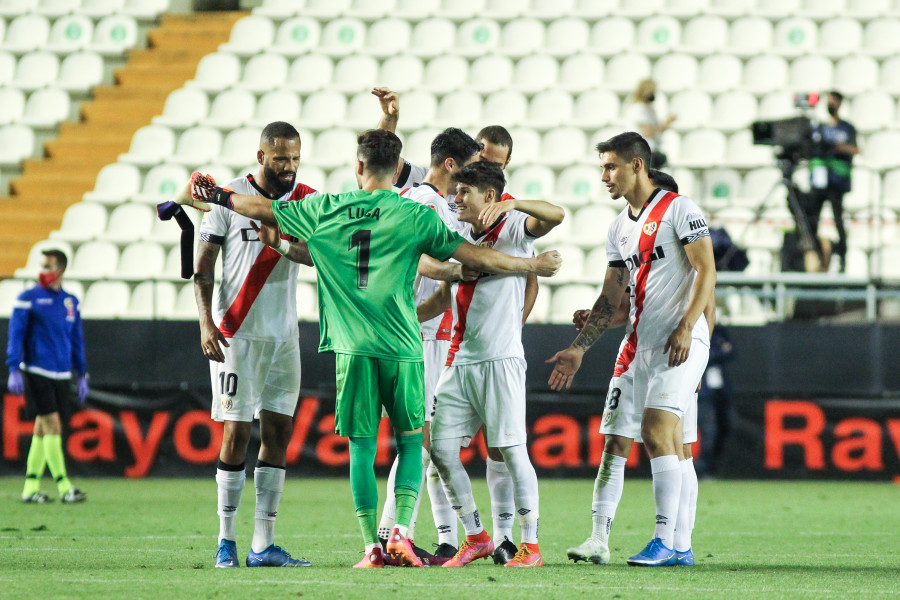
{"x":687,"y":506}
{"x":409,"y":475}
{"x":444,"y":517}
{"x":503,"y":500}
{"x":607,"y":494}
{"x":34,"y":466}
{"x":526,"y":490}
{"x":426,"y":460}
{"x":389,"y":512}
{"x":269,"y":480}
{"x":57,"y":462}
{"x":666,"y":494}
{"x":230,"y":483}
{"x":363,"y":485}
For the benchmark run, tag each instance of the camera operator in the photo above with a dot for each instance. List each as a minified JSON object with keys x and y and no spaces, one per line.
{"x":830,"y":167}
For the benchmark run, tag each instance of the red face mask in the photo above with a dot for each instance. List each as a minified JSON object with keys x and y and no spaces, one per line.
{"x":47,"y":278}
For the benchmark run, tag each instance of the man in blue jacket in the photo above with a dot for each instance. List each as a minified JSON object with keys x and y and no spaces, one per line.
{"x":45,"y":346}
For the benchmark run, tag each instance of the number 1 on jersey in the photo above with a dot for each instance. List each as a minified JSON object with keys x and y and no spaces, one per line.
{"x":362,"y":239}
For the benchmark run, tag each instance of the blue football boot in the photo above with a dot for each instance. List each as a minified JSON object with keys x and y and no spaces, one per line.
{"x":226,"y":555}
{"x":654,"y":555}
{"x":274,"y":556}
{"x":684,"y":559}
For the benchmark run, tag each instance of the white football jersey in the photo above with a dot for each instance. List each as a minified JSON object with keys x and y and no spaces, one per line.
{"x":651,"y":247}
{"x":257,"y":297}
{"x":437,"y":328}
{"x":487,"y":312}
{"x":411,"y":175}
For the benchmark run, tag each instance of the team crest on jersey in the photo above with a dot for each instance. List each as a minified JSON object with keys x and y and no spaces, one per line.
{"x":227,"y":403}
{"x":70,"y":307}
{"x":487,"y":244}
{"x":650,"y":228}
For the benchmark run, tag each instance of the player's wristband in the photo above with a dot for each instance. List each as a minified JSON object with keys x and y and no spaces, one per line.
{"x":283,"y":248}
{"x":222,"y":197}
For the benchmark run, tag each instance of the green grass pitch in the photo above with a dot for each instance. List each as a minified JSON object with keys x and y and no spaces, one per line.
{"x":155,"y":539}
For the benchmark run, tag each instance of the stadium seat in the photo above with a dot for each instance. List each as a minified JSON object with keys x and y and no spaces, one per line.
{"x":128,"y":223}
{"x":151,"y":300}
{"x":100,"y":8}
{"x":551,"y":9}
{"x":167,"y":233}
{"x":417,"y":149}
{"x":106,"y":300}
{"x":856,"y":74}
{"x":323,"y":110}
{"x":872,"y":111}
{"x":795,"y":36}
{"x":719,"y":73}
{"x":882,"y":37}
{"x":36,"y":70}
{"x":240,"y":147}
{"x":535,"y":73}
{"x":161,"y":183}
{"x":750,"y":36}
{"x":890,"y":189}
{"x":250,"y":35}
{"x":765,"y":73}
{"x":550,"y":108}
{"x":370,"y":9}
{"x":94,"y":260}
{"x":821,"y":9}
{"x":16,"y":144}
{"x":7,"y":67}
{"x":590,"y":224}
{"x":461,"y":10}
{"x":758,"y":184}
{"x":865,"y":190}
{"x":264,"y":72}
{"x":403,"y":73}
{"x":33,"y":263}
{"x":341,"y":179}
{"x":26,"y":33}
{"x":326,"y":8}
{"x":80,"y":71}
{"x":563,"y":146}
{"x":184,"y":108}
{"x":642,"y":10}
{"x":890,"y":75}
{"x":658,"y":35}
{"x":580,"y":72}
{"x":12,"y":105}
{"x":730,"y":8}
{"x":881,"y":150}
{"x":675,"y":72}
{"x":9,"y":293}
{"x":12,"y":8}
{"x":721,"y":187}
{"x":197,"y":145}
{"x":811,"y":72}
{"x":342,"y":36}
{"x":231,"y":108}
{"x":505,"y":106}
{"x":69,"y":34}
{"x":460,"y":109}
{"x":334,"y":147}
{"x":774,"y":9}
{"x":310,"y":73}
{"x":533,"y":182}
{"x":114,"y":34}
{"x":363,"y":111}
{"x":140,"y":261}
{"x":704,"y":35}
{"x":692,"y":108}
{"x":527,"y":144}
{"x":296,"y":36}
{"x":116,"y":183}
{"x":312,"y":176}
{"x":433,"y":37}
{"x":477,"y":37}
{"x":522,"y":37}
{"x":577,"y":185}
{"x":82,"y":221}
{"x":742,"y":153}
{"x":702,"y":148}
{"x":445,"y":74}
{"x":776,"y":105}
{"x":505,"y":10}
{"x":734,"y":110}
{"x":624,"y":70}
{"x":276,"y":105}
{"x":566,"y":37}
{"x":216,"y":71}
{"x":419,"y":109}
{"x":610,"y":36}
{"x":595,"y":108}
{"x":388,"y":37}
{"x":145,"y":9}
{"x":569,"y":298}
{"x":355,"y":72}
{"x":866,"y":10}
{"x":185,"y":307}
{"x":490,"y":73}
{"x":840,"y":37}
{"x":415,"y":10}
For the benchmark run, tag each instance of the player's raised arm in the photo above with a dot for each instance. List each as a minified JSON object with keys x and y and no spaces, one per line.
{"x":203,"y":191}
{"x":488,"y":260}
{"x":542,"y":216}
{"x":390,"y":108}
{"x":700,"y":255}
{"x":568,"y":361}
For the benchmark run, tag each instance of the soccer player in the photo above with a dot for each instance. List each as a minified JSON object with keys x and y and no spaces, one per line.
{"x":250,"y":335}
{"x":497,"y":145}
{"x":621,"y":427}
{"x":659,"y":245}
{"x":371,"y":241}
{"x":451,"y":150}
{"x":45,"y":346}
{"x":483,"y":383}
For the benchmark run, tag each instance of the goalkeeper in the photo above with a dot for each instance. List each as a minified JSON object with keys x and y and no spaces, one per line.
{"x":367,"y":246}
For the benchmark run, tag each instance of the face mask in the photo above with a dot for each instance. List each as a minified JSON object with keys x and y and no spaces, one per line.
{"x":46,"y":279}
{"x":651,"y":97}
{"x":833,"y":110}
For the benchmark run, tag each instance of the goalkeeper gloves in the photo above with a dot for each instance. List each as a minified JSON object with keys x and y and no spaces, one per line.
{"x":204,"y":192}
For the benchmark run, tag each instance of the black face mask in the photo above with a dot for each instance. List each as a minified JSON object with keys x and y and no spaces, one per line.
{"x":832,"y":110}
{"x":651,"y":97}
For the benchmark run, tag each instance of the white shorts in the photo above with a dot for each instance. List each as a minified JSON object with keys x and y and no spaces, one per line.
{"x":622,"y":414}
{"x":490,"y":393}
{"x":435,"y":358}
{"x":256,"y":375}
{"x":669,"y":388}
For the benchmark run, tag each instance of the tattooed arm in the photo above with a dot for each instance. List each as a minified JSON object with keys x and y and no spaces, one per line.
{"x":568,"y":361}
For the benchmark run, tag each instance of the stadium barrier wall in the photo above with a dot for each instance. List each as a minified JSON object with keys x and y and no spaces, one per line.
{"x":811,"y":401}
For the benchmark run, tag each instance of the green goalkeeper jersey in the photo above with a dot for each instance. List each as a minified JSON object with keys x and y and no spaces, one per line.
{"x":366,"y":248}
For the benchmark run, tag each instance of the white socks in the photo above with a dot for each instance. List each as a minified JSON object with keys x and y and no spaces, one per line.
{"x":687,"y":506}
{"x":526,"y":490}
{"x":444,"y":517}
{"x":503,"y":500}
{"x":457,"y":486}
{"x":666,"y":493}
{"x":230,"y":484}
{"x":607,"y":494}
{"x":389,"y":512}
{"x":269,"y":487}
